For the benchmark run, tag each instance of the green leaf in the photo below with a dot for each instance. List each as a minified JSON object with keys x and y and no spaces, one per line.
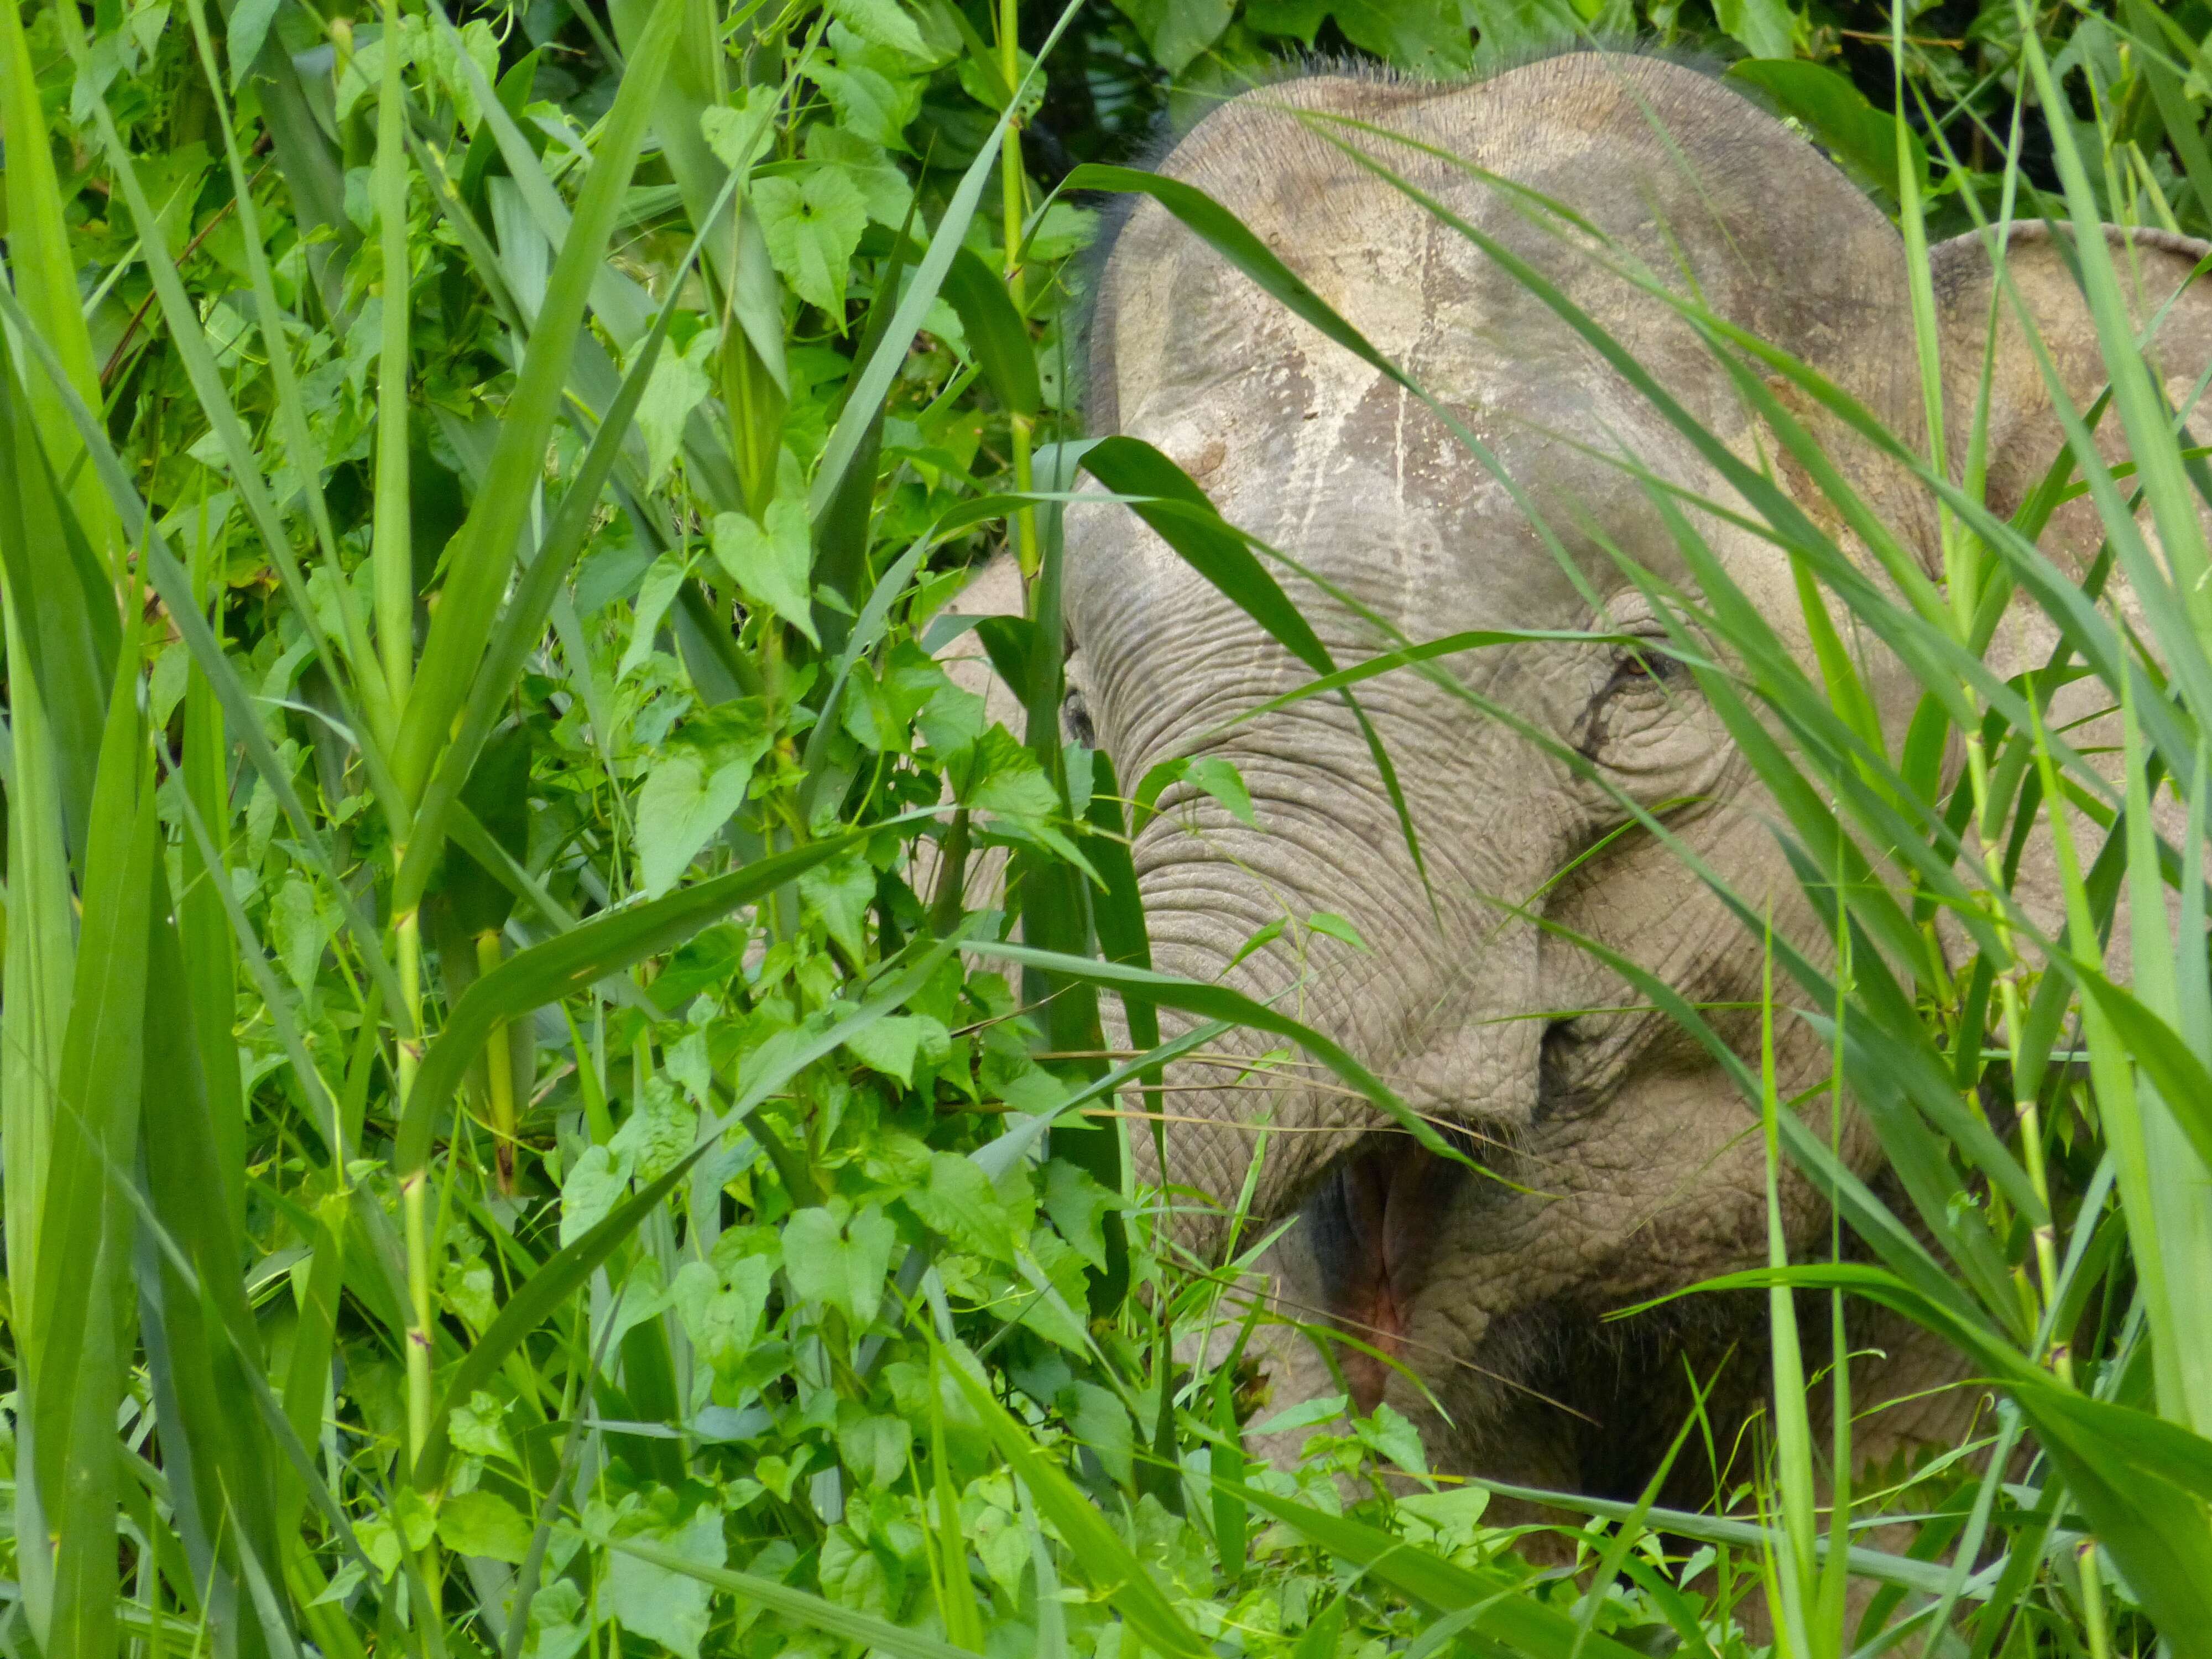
{"x":725,"y":1324}
{"x":681,"y":807}
{"x":1323,"y":1636}
{"x":249,"y":27}
{"x":1765,"y":28}
{"x":855,"y":1576}
{"x":796,"y":1604}
{"x":770,"y":564}
{"x":479,"y":1428}
{"x":1219,"y":776}
{"x":1331,"y":925}
{"x":1077,"y":1204}
{"x":1095,"y":1549}
{"x":679,"y":385}
{"x":996,"y":774}
{"x":880,"y":182}
{"x":1389,"y":1434}
{"x":1302,"y":18}
{"x":558,"y":1626}
{"x":1838,"y":115}
{"x":840,"y":893}
{"x":1097,"y":1418}
{"x":882,"y":23}
{"x":813,"y":227}
{"x":875,"y":1448}
{"x":740,"y":134}
{"x":595,"y":1184}
{"x":482,"y":557}
{"x":889,"y":1046}
{"x":1177,"y":31}
{"x":696,"y":788}
{"x":658,"y":1602}
{"x":1516,"y":29}
{"x":664,"y":581}
{"x":482,"y":1522}
{"x":660,"y":1129}
{"x":836,"y":1257}
{"x":545,"y":973}
{"x":996,"y":333}
{"x":960,"y":1204}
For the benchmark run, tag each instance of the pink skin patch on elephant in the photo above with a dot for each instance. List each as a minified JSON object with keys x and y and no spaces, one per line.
{"x":1374,"y":1223}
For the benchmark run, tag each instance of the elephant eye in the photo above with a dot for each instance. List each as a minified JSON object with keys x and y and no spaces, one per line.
{"x":1647,"y":665}
{"x":1075,"y":718}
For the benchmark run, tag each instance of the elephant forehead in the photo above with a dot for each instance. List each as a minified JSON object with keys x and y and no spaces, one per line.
{"x":1181,"y":315}
{"x":1407,"y":524}
{"x":1323,"y":457}
{"x":1304,"y":444}
{"x":1186,"y":327}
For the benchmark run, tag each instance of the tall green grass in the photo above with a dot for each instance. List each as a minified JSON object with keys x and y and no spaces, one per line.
{"x":499,"y":1158}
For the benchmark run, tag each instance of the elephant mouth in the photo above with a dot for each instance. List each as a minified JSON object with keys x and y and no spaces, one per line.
{"x":1378,"y":1217}
{"x":1374,"y":1225}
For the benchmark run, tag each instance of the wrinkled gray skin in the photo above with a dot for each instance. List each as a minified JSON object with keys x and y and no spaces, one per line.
{"x":1630,"y":1144}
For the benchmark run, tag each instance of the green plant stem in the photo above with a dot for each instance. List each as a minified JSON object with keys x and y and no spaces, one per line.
{"x":411,"y":1196}
{"x":2093,"y":1601}
{"x":499,"y":1074}
{"x":392,"y":552}
{"x":1013,"y":195}
{"x":408,"y":930}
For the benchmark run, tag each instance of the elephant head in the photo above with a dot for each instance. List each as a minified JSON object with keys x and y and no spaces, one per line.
{"x":1619,"y":1162}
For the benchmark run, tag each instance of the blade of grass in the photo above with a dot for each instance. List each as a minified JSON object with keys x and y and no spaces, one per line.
{"x":43,"y":274}
{"x":1094,"y":1547}
{"x":481,"y":559}
{"x":1220,"y":1003}
{"x":1133,"y":469}
{"x":169,"y":580}
{"x":873,"y":383}
{"x":189,"y":336}
{"x":83,"y":1293}
{"x":802,"y":1606}
{"x":545,"y":973}
{"x":292,"y":423}
{"x":1506,"y":1614}
{"x":523,"y":621}
{"x":391,"y":552}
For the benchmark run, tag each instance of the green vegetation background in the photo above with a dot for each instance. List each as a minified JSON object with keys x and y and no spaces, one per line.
{"x":547,"y":1185}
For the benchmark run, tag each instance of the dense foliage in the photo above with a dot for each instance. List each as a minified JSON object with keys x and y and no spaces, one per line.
{"x":514,"y":1138}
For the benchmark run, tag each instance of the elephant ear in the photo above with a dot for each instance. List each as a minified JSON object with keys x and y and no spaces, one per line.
{"x":1981,"y":324}
{"x":2156,"y":269}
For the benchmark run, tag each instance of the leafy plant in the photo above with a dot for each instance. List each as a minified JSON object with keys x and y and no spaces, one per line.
{"x":514,"y":1139}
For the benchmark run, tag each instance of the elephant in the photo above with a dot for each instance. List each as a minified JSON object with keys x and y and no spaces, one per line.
{"x":1619,"y":1162}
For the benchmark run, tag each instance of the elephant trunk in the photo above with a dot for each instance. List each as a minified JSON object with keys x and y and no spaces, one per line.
{"x":1444,"y":1006}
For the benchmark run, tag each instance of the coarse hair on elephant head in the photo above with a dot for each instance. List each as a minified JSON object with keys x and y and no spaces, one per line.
{"x":1623,"y":1162}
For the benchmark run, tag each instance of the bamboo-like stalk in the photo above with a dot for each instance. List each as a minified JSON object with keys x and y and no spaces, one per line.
{"x":499,"y":1075}
{"x":1013,"y":195}
{"x":392,"y":554}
